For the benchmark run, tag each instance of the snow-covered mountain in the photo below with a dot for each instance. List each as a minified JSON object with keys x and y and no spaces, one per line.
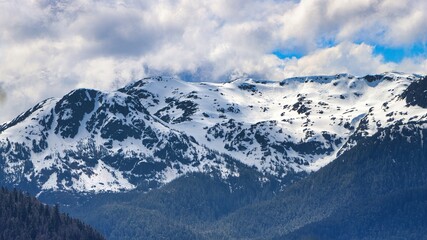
{"x":157,"y":129}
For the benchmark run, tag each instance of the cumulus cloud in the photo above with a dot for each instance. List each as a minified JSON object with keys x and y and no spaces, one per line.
{"x":394,"y":23}
{"x":2,"y":95}
{"x":346,"y":57}
{"x":50,"y":47}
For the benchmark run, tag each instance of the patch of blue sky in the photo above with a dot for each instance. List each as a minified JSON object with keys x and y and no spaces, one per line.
{"x":287,"y":54}
{"x":390,"y":54}
{"x":397,"y":54}
{"x":299,"y":52}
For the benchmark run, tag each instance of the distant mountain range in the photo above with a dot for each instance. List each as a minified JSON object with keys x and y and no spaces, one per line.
{"x":245,"y":159}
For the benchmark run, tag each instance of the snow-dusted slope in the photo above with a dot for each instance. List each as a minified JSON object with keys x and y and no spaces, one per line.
{"x":90,"y":141}
{"x":156,"y":129}
{"x":298,"y":124}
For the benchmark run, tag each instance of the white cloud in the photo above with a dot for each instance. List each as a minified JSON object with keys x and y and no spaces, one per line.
{"x":413,"y":65}
{"x":390,"y":22}
{"x":2,"y":95}
{"x":50,"y":47}
{"x":346,"y":57}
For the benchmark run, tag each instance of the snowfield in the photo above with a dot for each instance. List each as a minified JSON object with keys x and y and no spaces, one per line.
{"x":157,"y":129}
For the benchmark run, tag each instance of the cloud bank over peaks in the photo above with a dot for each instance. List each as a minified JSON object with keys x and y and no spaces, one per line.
{"x":50,"y":47}
{"x":345,"y":57}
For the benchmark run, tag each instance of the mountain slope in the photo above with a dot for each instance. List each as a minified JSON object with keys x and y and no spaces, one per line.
{"x":401,"y":215}
{"x":376,"y":190}
{"x":89,"y":141}
{"x":155,"y":130}
{"x":387,"y":168}
{"x":298,"y":124}
{"x":177,"y":210}
{"x":225,"y":161}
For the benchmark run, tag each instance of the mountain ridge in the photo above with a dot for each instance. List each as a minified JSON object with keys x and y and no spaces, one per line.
{"x":156,"y":129}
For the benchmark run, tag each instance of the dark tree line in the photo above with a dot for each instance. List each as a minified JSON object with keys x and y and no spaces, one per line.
{"x":24,"y":217}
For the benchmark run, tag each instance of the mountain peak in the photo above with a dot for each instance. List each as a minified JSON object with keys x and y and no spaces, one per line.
{"x":159,"y":128}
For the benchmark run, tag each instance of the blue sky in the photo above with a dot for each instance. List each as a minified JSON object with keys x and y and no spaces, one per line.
{"x":50,"y":47}
{"x":390,"y":53}
{"x":397,"y":54}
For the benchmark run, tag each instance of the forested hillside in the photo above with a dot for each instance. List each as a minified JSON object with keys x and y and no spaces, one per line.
{"x":24,"y":217}
{"x":179,"y":210}
{"x":376,"y":190}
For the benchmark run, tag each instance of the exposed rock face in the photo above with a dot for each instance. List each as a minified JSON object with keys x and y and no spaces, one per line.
{"x":157,"y":129}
